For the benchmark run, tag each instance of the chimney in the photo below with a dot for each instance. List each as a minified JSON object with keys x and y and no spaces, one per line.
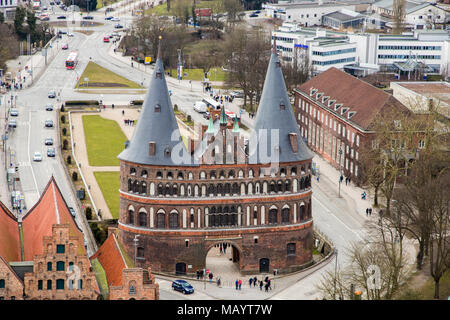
{"x":294,"y":142}
{"x":152,"y":148}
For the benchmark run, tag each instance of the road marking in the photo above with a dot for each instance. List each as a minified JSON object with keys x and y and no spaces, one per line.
{"x":29,"y":158}
{"x":347,"y":227}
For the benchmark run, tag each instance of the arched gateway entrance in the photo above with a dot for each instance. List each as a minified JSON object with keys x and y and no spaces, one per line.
{"x":223,"y":260}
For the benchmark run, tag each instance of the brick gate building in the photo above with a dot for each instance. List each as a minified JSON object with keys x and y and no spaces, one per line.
{"x":181,"y":203}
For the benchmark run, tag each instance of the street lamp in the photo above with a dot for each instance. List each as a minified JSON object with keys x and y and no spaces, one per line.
{"x":340,"y":170}
{"x":335,"y":274}
{"x":136,"y":240}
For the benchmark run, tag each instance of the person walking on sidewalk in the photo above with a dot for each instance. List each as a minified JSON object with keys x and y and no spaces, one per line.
{"x":254,"y":281}
{"x":210,"y":276}
{"x":240,"y":284}
{"x":367,"y":212}
{"x":236,"y":283}
{"x":260,"y":285}
{"x":250,"y":281}
{"x":370,"y":211}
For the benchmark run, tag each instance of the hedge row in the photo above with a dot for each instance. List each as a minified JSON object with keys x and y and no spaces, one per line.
{"x":82,"y":103}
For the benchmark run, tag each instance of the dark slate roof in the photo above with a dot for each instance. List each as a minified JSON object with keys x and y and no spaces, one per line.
{"x":155,"y":126}
{"x":271,"y":116}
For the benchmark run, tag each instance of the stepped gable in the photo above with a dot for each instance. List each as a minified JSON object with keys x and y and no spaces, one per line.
{"x":9,"y":235}
{"x":157,"y":123}
{"x":50,"y":209}
{"x":357,"y":95}
{"x":275,"y":112}
{"x":111,"y":259}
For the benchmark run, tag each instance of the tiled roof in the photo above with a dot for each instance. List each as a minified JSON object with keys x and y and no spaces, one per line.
{"x":111,"y":259}
{"x":359,"y":96}
{"x":50,"y":209}
{"x":9,"y":235}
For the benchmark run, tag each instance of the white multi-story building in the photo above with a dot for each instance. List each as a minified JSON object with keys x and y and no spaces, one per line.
{"x":310,"y":13}
{"x":8,"y":8}
{"x":371,"y":51}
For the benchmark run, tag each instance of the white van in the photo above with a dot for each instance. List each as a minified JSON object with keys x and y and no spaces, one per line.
{"x":200,"y":107}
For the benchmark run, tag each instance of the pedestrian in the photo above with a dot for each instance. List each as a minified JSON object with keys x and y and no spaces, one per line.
{"x":220,"y":250}
{"x":123,"y":112}
{"x":236,"y":283}
{"x":198,"y":275}
{"x":266,"y":279}
{"x":210,"y":277}
{"x":218,"y":282}
{"x":240,"y":284}
{"x":349,"y":180}
{"x":112,"y":106}
{"x":317,"y":178}
{"x":260,"y":285}
{"x":367,"y":212}
{"x":269,"y":284}
{"x":346,"y":180}
{"x":250,"y":281}
{"x":370,"y":211}
{"x":254,"y":281}
{"x":266,"y":287}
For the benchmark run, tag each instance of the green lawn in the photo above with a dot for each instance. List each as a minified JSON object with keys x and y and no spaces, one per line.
{"x":161,"y":10}
{"x":104,"y":140}
{"x":215,"y":74}
{"x":100,"y":77}
{"x":103,"y":3}
{"x":426,"y":292}
{"x":100,"y":275}
{"x":109,"y":182}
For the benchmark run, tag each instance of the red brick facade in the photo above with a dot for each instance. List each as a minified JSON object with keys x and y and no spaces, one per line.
{"x":176,"y":211}
{"x":11,"y":287}
{"x":137,"y":284}
{"x":53,"y":277}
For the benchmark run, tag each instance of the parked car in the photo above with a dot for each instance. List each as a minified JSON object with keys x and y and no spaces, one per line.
{"x":49,"y":107}
{"x":52,"y":94}
{"x":14,"y":112}
{"x":253,"y":15}
{"x":72,"y":211}
{"x":105,"y":39}
{"x":60,"y":17}
{"x":118,"y":26}
{"x":182,"y":286}
{"x":200,"y":107}
{"x":37,"y":156}
{"x":49,"y":123}
{"x":51,"y":152}
{"x":12,"y":123}
{"x":109,"y":18}
{"x":115,"y":19}
{"x":65,"y":47}
{"x":44,"y":18}
{"x":237,"y":94}
{"x":48,"y":141}
{"x":88,"y":18}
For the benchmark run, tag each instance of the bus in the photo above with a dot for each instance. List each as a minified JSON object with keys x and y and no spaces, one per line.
{"x":72,"y":60}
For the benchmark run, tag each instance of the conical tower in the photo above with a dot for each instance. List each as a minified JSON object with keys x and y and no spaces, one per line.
{"x":276,"y":116}
{"x":157,"y":131}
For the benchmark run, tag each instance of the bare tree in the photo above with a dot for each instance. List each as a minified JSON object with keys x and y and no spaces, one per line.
{"x":398,"y":16}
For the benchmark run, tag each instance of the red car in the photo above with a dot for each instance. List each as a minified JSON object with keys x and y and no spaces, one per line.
{"x":106,"y":39}
{"x":65,"y":47}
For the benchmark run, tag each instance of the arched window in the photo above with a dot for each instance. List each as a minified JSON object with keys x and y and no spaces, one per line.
{"x":211,"y":189}
{"x":250,"y":173}
{"x":168,"y":190}
{"x":143,"y":188}
{"x":212,"y":175}
{"x":302,"y":211}
{"x":160,"y":190}
{"x":219,"y":188}
{"x":130,"y":215}
{"x":231,"y":174}
{"x":287,"y":186}
{"x":285,"y":215}
{"x":235,"y":189}
{"x":169,"y":175}
{"x":60,"y":266}
{"x":174,"y":190}
{"x":136,"y":186}
{"x":222,"y":174}
{"x":143,"y":219}
{"x":133,"y":171}
{"x":293,"y":171}
{"x":159,"y":175}
{"x":144,"y":174}
{"x":130,"y":185}
{"x":273,"y":216}
{"x":282,"y":172}
{"x":203,"y":175}
{"x":280,"y":186}
{"x":272,"y":187}
{"x":227,"y":188}
{"x":241,"y":174}
{"x":302,"y":183}
{"x":160,"y":220}
{"x":173,"y":220}
{"x":132,"y":288}
{"x":190,"y":176}
{"x":180,"y":175}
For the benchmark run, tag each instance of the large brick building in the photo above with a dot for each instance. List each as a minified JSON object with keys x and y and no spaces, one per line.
{"x":42,"y":254}
{"x":336,"y":111}
{"x":181,"y":203}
